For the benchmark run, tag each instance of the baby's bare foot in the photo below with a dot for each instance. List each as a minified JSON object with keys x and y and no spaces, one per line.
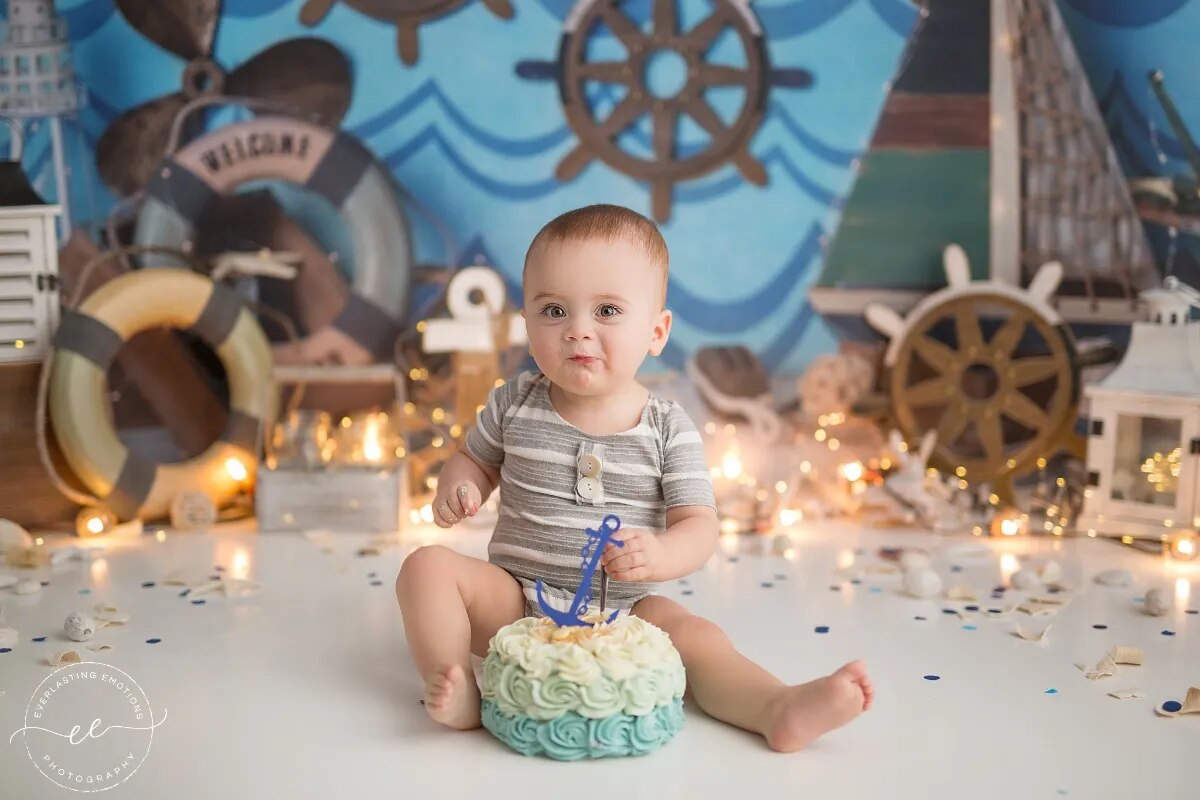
{"x":800,"y":714}
{"x":452,"y":699}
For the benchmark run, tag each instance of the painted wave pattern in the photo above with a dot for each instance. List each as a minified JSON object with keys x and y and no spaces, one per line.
{"x":806,"y":172}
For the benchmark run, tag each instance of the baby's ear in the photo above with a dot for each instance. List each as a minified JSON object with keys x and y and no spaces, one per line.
{"x":661,"y":332}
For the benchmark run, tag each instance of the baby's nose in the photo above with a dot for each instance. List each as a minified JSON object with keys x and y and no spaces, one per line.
{"x":576,"y":332}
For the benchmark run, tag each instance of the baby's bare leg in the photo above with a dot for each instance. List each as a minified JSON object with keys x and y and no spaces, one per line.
{"x":733,"y":689}
{"x":452,"y":605}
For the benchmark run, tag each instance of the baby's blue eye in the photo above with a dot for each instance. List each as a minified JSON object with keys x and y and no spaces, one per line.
{"x":554,"y":312}
{"x":608,"y":310}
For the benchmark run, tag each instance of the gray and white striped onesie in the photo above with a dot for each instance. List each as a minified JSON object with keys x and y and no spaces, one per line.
{"x":556,"y":481}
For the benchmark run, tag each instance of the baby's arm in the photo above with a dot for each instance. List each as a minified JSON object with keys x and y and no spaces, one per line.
{"x":688,"y":541}
{"x":451,"y":505}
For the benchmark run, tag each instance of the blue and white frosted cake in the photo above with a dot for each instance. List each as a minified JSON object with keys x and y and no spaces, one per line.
{"x":612,"y":689}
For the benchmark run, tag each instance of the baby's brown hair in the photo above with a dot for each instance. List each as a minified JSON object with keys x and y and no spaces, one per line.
{"x":609,"y":223}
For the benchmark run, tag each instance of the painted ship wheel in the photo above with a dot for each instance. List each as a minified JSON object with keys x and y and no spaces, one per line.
{"x":990,"y":367}
{"x":662,"y":38}
{"x":406,"y":14}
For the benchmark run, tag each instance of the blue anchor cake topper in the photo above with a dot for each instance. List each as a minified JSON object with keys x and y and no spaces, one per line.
{"x":591,"y":552}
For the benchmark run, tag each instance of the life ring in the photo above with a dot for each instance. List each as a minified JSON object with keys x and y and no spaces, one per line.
{"x":86,"y":342}
{"x":332,"y":164}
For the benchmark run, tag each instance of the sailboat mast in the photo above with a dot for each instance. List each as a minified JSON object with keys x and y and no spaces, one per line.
{"x":1004,"y":176}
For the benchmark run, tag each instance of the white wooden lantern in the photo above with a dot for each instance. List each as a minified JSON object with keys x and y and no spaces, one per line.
{"x":1144,"y":443}
{"x":29,"y":299}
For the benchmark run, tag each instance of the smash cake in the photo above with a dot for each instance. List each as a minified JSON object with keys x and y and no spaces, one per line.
{"x":583,"y":691}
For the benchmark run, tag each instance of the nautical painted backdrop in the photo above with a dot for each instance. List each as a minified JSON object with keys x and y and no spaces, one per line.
{"x":477,"y":145}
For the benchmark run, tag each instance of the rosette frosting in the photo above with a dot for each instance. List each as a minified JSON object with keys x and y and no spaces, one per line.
{"x":574,"y":692}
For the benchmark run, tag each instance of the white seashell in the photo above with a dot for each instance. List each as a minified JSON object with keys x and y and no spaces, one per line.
{"x":79,"y":627}
{"x":8,"y":637}
{"x":1025,"y":579}
{"x":13,"y":535}
{"x":1051,"y":572}
{"x":915,"y":559}
{"x":27,"y":586}
{"x":1115,"y":577}
{"x":1157,"y":603}
{"x":923,"y":583}
{"x":7,"y":579}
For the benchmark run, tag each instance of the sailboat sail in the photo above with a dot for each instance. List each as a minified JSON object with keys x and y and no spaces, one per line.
{"x":1075,"y":203}
{"x":990,"y":139}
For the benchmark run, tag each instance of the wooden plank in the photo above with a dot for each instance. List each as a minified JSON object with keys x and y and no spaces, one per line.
{"x":934,"y":121}
{"x":27,"y":496}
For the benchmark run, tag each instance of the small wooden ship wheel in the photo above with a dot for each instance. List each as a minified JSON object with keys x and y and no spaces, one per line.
{"x":661,"y":38}
{"x":990,"y":367}
{"x":406,"y":14}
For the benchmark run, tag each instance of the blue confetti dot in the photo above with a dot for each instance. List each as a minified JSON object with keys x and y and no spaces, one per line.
{"x":1000,"y":590}
{"x":1050,"y":691}
{"x":767,"y":585}
{"x":972,"y":608}
{"x":876,"y":589}
{"x":45,"y":583}
{"x":1053,"y":590}
{"x":995,"y":611}
{"x":85,"y":591}
{"x":148,"y":584}
{"x":687,"y":591}
{"x":1168,"y":633}
{"x":969,"y":628}
{"x":377,"y":583}
{"x":39,"y":638}
{"x":219,"y":568}
{"x":933,"y":677}
{"x":214,"y":577}
{"x":920,"y":618}
{"x":199,"y":602}
{"x":372,"y":575}
{"x":1139,"y":599}
{"x":835,"y":588}
{"x":684,"y":581}
{"x":955,"y":568}
{"x":781,"y":577}
{"x":1100,"y":627}
{"x":1172,"y":705}
{"x":1193,"y":611}
{"x":822,"y":629}
{"x":185,"y":592}
{"x":5,"y":649}
{"x":949,"y":611}
{"x":153,"y":641}
{"x":856,"y":581}
{"x":733,"y":559}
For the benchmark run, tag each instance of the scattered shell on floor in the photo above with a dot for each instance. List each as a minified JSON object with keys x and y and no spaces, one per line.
{"x":1026,"y":579}
{"x":1157,"y":603}
{"x":65,"y":657}
{"x":13,"y":536}
{"x":1114,"y":577}
{"x":922,"y":582}
{"x":27,"y":586}
{"x":79,"y":627}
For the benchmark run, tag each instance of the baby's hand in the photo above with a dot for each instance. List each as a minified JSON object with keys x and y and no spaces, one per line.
{"x":453,"y":503}
{"x":640,"y":559}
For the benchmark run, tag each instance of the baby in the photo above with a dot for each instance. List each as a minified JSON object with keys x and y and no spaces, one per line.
{"x":569,"y":444}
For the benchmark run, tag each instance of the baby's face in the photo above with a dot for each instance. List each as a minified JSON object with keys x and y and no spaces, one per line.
{"x":594,"y":311}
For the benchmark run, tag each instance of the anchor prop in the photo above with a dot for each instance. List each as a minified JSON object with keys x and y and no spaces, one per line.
{"x":597,"y":539}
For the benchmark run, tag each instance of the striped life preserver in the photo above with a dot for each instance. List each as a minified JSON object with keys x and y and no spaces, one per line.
{"x":88,"y":339}
{"x":331,"y":164}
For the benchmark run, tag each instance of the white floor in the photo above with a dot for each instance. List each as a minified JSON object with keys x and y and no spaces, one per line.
{"x":305,"y":690}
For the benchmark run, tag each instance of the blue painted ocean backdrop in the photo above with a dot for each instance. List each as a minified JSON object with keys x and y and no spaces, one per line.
{"x":478,"y":145}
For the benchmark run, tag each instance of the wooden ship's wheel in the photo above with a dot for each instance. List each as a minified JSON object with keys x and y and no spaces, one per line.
{"x":990,"y":367}
{"x":661,"y":37}
{"x":407,"y":14}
